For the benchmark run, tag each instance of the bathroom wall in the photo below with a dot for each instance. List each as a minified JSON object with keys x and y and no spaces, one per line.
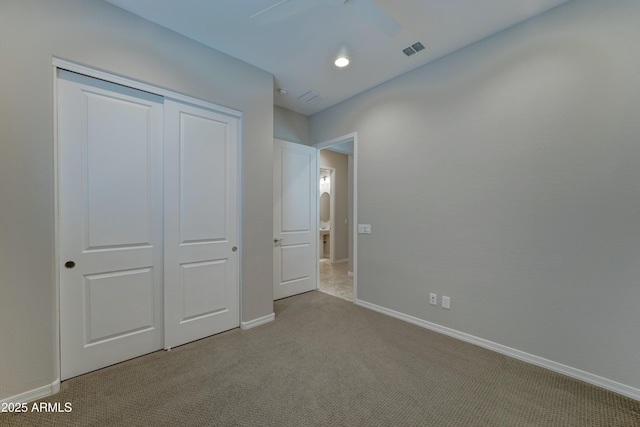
{"x":339,"y":162}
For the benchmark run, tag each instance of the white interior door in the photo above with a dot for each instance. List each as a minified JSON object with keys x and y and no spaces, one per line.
{"x":110,"y":205}
{"x":201,"y":230}
{"x":295,"y":224}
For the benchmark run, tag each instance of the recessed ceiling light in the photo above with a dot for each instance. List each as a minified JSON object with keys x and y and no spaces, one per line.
{"x":341,"y":61}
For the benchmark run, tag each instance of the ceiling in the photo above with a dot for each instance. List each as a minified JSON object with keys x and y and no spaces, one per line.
{"x":298,"y":40}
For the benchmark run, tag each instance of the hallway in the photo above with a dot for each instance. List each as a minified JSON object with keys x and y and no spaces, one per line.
{"x":335,"y":280}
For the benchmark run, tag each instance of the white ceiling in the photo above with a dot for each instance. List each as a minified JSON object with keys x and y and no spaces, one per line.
{"x":297,"y":40}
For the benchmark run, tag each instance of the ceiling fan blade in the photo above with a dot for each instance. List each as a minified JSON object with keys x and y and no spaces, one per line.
{"x":371,"y":12}
{"x":267,"y":9}
{"x":366,"y":9}
{"x":283,"y":10}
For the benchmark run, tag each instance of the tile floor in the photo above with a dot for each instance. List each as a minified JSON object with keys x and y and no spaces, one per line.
{"x":334,"y":280}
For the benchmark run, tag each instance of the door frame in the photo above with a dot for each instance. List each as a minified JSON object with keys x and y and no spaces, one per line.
{"x":63,"y":64}
{"x":353,"y":136}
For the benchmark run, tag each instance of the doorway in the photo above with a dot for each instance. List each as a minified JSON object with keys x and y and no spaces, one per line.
{"x":337,"y":188}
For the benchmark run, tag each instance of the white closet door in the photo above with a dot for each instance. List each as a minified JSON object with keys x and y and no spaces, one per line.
{"x":110,"y":201}
{"x":295,"y":224}
{"x":201,"y":230}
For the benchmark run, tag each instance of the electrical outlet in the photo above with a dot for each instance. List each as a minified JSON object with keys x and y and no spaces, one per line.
{"x":433,"y":299}
{"x":364,"y":228}
{"x":446,"y":302}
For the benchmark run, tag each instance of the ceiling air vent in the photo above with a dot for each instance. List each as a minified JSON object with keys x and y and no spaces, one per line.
{"x":311,"y":97}
{"x":414,"y":48}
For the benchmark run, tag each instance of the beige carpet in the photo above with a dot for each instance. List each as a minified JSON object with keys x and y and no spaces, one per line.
{"x":326,"y":362}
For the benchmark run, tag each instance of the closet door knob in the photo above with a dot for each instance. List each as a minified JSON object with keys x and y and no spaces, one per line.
{"x":276,"y":240}
{"x":69,"y":264}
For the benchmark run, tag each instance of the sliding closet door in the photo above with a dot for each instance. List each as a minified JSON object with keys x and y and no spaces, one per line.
{"x":110,"y":205}
{"x":201,"y":230}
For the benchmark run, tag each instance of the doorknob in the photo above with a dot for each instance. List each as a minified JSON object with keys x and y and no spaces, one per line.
{"x":69,"y":264}
{"x":276,"y":240}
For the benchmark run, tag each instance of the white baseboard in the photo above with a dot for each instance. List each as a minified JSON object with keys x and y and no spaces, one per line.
{"x":569,"y":371}
{"x":35,"y":394}
{"x":257,"y":322}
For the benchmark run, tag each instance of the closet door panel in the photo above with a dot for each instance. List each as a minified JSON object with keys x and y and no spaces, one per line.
{"x":201,"y":234}
{"x":110,"y":205}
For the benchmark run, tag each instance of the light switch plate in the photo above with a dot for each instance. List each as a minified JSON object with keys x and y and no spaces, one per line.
{"x":446,"y":303}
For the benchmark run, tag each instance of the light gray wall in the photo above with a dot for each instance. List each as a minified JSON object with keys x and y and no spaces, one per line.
{"x":507,"y":176}
{"x":291,"y":126}
{"x":340,"y":234}
{"x":99,"y":35}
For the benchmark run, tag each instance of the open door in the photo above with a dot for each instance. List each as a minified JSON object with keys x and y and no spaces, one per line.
{"x":295,"y":225}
